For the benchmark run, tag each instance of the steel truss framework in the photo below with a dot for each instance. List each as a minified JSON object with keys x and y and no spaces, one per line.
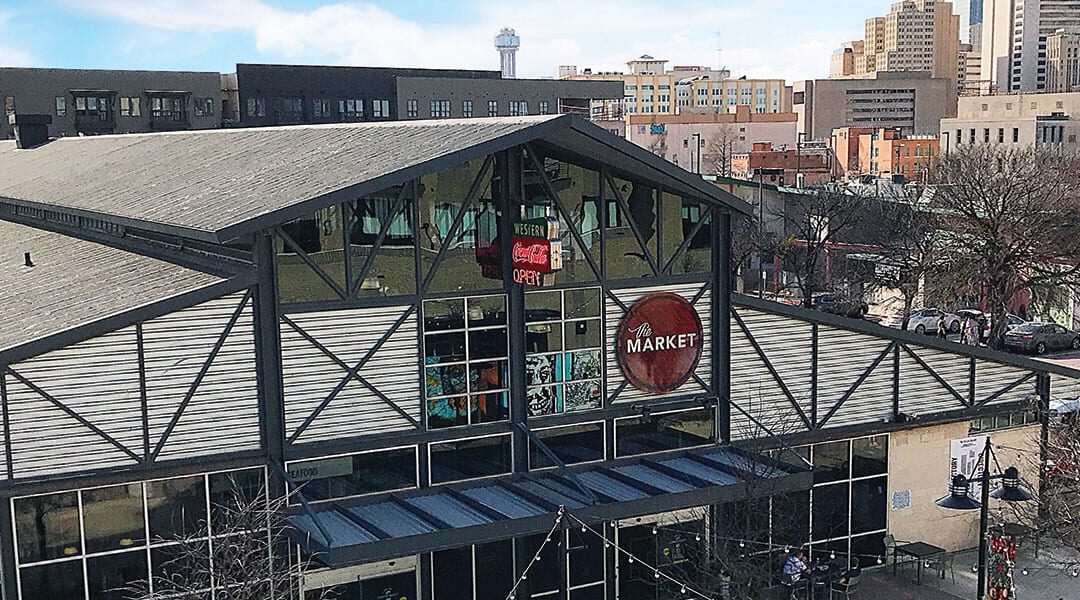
{"x":508,"y":169}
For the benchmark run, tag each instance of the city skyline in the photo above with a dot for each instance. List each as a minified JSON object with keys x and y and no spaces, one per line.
{"x":215,"y":35}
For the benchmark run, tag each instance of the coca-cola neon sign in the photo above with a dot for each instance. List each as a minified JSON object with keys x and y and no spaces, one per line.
{"x":535,"y":253}
{"x":659,"y":342}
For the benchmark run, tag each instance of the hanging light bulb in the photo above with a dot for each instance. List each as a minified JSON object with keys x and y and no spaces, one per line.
{"x":1076,"y":573}
{"x":630,"y":560}
{"x":524,"y":576}
{"x":537,"y":558}
{"x":655,"y":530}
{"x":583,"y":528}
{"x":656,"y":574}
{"x":742,"y":544}
{"x":1024,"y":571}
{"x":880,"y":560}
{"x":682,"y":590}
{"x":974,"y":568}
{"x":697,"y":538}
{"x":832,"y":556}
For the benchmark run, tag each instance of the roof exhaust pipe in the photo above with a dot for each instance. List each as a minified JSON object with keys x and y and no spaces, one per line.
{"x":26,"y":260}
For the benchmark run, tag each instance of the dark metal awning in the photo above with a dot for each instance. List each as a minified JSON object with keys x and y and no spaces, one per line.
{"x":391,"y":525}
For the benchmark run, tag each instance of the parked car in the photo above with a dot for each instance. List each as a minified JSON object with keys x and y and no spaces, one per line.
{"x":1041,"y":338}
{"x":925,"y":320}
{"x":838,"y":305}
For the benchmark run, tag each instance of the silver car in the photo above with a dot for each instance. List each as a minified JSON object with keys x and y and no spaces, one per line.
{"x":925,"y":320}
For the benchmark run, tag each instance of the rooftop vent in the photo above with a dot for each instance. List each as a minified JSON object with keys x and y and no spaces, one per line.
{"x":30,"y":130}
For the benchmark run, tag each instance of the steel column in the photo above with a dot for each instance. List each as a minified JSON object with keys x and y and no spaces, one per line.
{"x":268,"y":361}
{"x":8,"y":589}
{"x":721,"y":320}
{"x":508,"y":165}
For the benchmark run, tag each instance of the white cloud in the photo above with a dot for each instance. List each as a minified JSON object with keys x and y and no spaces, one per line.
{"x":601,"y":34}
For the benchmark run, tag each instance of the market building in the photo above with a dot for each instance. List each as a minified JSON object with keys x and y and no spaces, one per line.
{"x":335,"y":310}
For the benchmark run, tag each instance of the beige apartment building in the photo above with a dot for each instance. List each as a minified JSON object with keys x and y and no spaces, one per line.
{"x":1017,"y":119}
{"x":916,"y":35}
{"x":652,"y":88}
{"x":1063,"y":61}
{"x":912,"y":102}
{"x":705,"y":142}
{"x":968,"y":71}
{"x":844,"y":59}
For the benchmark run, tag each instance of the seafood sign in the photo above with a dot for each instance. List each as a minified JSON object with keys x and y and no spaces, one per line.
{"x":659,"y":342}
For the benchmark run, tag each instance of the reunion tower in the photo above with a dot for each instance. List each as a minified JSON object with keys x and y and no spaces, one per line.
{"x":507,"y":43}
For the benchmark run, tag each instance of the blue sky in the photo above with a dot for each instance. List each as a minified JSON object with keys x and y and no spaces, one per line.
{"x":774,"y":38}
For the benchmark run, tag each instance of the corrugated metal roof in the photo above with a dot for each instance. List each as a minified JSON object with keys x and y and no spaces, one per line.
{"x":361,"y":530}
{"x":215,"y":185}
{"x":75,"y":282}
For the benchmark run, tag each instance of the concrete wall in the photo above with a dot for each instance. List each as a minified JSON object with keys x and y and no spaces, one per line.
{"x":919,"y":463}
{"x":35,"y":92}
{"x":1017,"y":105}
{"x":738,"y":137}
{"x":913,"y":102}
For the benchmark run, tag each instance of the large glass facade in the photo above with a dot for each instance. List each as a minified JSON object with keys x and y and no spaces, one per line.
{"x":664,"y":431}
{"x":90,"y":543}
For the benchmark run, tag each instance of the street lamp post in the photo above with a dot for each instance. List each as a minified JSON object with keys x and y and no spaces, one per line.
{"x":958,"y":499}
{"x":696,"y":165}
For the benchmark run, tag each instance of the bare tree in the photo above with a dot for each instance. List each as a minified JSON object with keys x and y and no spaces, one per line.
{"x":720,"y":149}
{"x":1015,"y":218}
{"x":246,"y":559}
{"x":910,"y":240}
{"x":815,"y":220}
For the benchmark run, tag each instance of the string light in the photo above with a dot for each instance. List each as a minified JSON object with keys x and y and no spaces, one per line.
{"x":536,"y":557}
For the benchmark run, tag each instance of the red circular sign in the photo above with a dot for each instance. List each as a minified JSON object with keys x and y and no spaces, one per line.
{"x":659,"y":342}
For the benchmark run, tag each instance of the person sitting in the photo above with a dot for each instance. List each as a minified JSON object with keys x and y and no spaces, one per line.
{"x":795,"y":570}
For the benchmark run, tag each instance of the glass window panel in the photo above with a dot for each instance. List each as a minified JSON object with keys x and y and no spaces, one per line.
{"x":868,"y":548}
{"x":235,"y":492}
{"x":870,"y":456}
{"x":343,"y":476}
{"x":581,"y":303}
{"x":582,"y":334}
{"x":47,"y":527}
{"x":869,"y":504}
{"x":106,"y":576}
{"x":320,"y":237}
{"x":444,"y":348}
{"x":543,"y":337}
{"x":488,"y":310}
{"x":543,"y":369}
{"x":831,"y":462}
{"x":490,"y":407}
{"x":585,"y":553}
{"x":578,"y":190}
{"x":53,"y":581}
{"x":494,"y":569}
{"x":444,"y":314}
{"x":545,"y":400}
{"x":830,"y":519}
{"x":393,"y":268}
{"x":696,"y":257}
{"x":441,"y":197}
{"x":656,"y":433}
{"x":544,"y":575}
{"x":177,"y":508}
{"x":113,"y":517}
{"x":401,"y":586}
{"x":175,"y":563}
{"x":467,"y":459}
{"x":445,"y":381}
{"x":584,"y":395}
{"x":572,"y":445}
{"x":791,"y":519}
{"x":626,"y":253}
{"x":489,"y":375}
{"x":543,"y":306}
{"x":451,"y":574}
{"x":487,"y":343}
{"x":584,"y":364}
{"x":447,"y":412}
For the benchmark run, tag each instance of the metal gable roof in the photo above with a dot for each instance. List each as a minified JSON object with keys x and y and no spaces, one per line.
{"x":215,"y":185}
{"x":75,"y":283}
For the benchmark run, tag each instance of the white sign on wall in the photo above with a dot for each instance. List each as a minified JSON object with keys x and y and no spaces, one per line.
{"x":965,"y":459}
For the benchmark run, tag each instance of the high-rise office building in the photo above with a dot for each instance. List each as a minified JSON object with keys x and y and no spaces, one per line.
{"x":1014,"y":48}
{"x":1063,"y":61}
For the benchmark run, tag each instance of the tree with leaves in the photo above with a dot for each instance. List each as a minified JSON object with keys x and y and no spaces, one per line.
{"x":1014,"y":218}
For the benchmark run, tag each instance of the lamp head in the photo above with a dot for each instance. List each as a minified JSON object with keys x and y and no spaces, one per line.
{"x":958,"y":498}
{"x":1010,"y":490}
